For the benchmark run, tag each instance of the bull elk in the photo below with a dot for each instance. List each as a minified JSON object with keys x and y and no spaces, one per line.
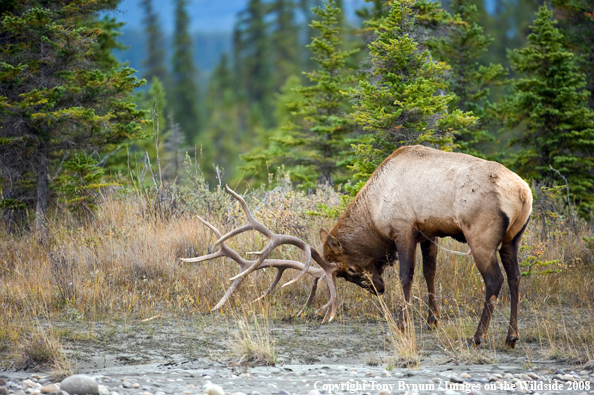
{"x":416,"y":195}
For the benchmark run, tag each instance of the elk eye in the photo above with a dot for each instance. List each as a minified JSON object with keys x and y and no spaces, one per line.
{"x":351,"y":271}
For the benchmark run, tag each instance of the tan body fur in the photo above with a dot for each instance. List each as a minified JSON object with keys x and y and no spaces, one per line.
{"x":419,"y":194}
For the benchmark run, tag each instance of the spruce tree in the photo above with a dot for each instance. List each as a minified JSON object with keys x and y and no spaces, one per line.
{"x":184,"y":84}
{"x":312,"y":146}
{"x":253,"y":63}
{"x":470,"y":81}
{"x":54,"y":98}
{"x":550,"y":106}
{"x":400,"y":101}
{"x":576,"y":19}
{"x":155,"y":46}
{"x":284,"y":39}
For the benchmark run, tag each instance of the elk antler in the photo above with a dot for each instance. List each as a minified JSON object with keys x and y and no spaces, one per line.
{"x":328,"y":271}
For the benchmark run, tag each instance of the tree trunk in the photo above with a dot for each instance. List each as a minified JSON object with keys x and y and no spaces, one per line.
{"x":42,"y":191}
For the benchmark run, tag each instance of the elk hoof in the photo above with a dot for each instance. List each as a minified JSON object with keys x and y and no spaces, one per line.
{"x":432,"y":322}
{"x":474,"y":342}
{"x":510,"y":341}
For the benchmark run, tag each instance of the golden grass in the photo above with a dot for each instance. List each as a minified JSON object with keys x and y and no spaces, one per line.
{"x":124,"y":264}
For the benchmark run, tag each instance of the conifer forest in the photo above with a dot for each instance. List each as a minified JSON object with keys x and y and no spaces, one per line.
{"x":115,"y":148}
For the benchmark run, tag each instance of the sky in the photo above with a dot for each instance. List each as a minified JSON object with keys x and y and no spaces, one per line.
{"x":205,"y":15}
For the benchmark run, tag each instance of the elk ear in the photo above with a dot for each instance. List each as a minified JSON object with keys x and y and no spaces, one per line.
{"x":323,"y":235}
{"x":334,"y":245}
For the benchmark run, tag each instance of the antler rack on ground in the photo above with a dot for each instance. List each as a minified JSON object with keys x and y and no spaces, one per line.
{"x":327,"y":271}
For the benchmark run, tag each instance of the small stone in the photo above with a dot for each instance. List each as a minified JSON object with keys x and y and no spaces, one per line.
{"x":36,"y":376}
{"x":283,"y":392}
{"x":407,"y":393}
{"x":135,"y":385}
{"x":239,"y":393}
{"x":384,"y":392}
{"x":254,"y":393}
{"x":2,"y":382}
{"x":19,"y":392}
{"x":145,"y":393}
{"x":456,"y":379}
{"x":80,"y":384}
{"x":313,"y":392}
{"x":369,"y":374}
{"x":560,"y":371}
{"x":589,"y":365}
{"x":465,"y":376}
{"x":3,"y":390}
{"x":271,"y":385}
{"x":214,"y":389}
{"x":508,"y":376}
{"x":475,"y":392}
{"x":450,"y":392}
{"x":126,"y":384}
{"x":386,"y":374}
{"x":493,"y":378}
{"x":206,"y":384}
{"x":533,"y":376}
{"x":103,"y":390}
{"x":567,"y":377}
{"x":30,"y":384}
{"x":244,"y":376}
{"x":59,"y":393}
{"x":160,"y":393}
{"x":47,"y":389}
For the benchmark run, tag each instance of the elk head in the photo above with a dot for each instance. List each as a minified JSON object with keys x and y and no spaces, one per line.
{"x":361,"y":271}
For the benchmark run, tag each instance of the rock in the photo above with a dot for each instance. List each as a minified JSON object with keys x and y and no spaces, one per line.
{"x":384,"y":392}
{"x":244,"y":376}
{"x":567,"y":377}
{"x":80,"y":384}
{"x":135,"y":385}
{"x":450,"y":392}
{"x":256,"y":393}
{"x":103,"y":390}
{"x":475,"y":392}
{"x":30,"y":384}
{"x":206,"y":384}
{"x":59,"y":393}
{"x":160,"y":393}
{"x":533,"y":376}
{"x":214,"y":389}
{"x":19,"y":392}
{"x":589,"y":365}
{"x":386,"y":374}
{"x":2,"y":382}
{"x":465,"y":376}
{"x":369,"y":374}
{"x":493,"y":378}
{"x":456,"y":379}
{"x":283,"y":392}
{"x":3,"y":390}
{"x":560,"y":371}
{"x":127,"y":384}
{"x":313,"y":392}
{"x":436,"y":380}
{"x":48,"y":389}
{"x":508,"y":376}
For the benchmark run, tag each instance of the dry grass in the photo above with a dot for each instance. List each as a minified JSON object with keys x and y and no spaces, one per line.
{"x":124,"y":264}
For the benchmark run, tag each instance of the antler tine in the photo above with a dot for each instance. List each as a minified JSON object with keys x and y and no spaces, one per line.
{"x":279,"y":274}
{"x":312,"y":294}
{"x":332,"y":304}
{"x":229,"y":292}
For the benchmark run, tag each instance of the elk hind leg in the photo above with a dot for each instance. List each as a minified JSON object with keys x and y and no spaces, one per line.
{"x":429,"y":251}
{"x":509,"y":259}
{"x":485,"y":259}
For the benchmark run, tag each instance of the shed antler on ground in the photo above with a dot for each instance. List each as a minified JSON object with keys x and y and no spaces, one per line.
{"x":327,"y":272}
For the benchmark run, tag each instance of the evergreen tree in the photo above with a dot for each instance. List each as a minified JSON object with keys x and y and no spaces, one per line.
{"x":54,"y":97}
{"x":312,"y":147}
{"x":253,"y":60}
{"x":184,"y":86}
{"x":284,"y":39}
{"x":400,"y":103}
{"x":549,"y":104}
{"x":576,"y":19}
{"x":155,"y":46}
{"x":468,"y":80}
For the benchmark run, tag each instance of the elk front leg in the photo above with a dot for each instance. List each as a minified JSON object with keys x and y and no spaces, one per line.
{"x":486,"y":263}
{"x":407,"y":260}
{"x":429,"y":251}
{"x":509,"y":259}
